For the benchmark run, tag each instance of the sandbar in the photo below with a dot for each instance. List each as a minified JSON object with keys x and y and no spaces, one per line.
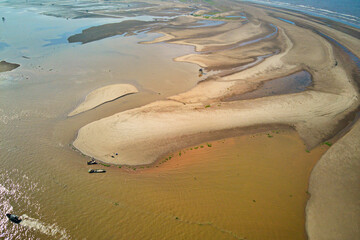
{"x":108,"y":30}
{"x":143,"y":134}
{"x":333,"y":209}
{"x":103,"y":95}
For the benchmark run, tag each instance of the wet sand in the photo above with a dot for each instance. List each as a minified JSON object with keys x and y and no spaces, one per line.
{"x":6,"y":66}
{"x":294,"y":83}
{"x":108,"y":30}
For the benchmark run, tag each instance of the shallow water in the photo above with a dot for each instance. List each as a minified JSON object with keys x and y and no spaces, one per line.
{"x":236,"y":17}
{"x":343,"y":48}
{"x":345,"y":11}
{"x":41,"y":177}
{"x":206,"y":23}
{"x":252,"y":187}
{"x":285,"y":20}
{"x":294,"y":83}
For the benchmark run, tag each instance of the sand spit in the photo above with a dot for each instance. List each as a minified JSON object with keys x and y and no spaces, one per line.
{"x":217,"y":37}
{"x":333,"y":209}
{"x":107,"y":30}
{"x":6,"y":66}
{"x":103,"y":95}
{"x":142,"y":135}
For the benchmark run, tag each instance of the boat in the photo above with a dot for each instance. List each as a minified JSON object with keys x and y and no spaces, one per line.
{"x":14,"y":218}
{"x":97,"y":171}
{"x":91,"y":162}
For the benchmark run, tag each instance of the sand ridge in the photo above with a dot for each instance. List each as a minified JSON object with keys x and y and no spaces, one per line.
{"x":142,"y":135}
{"x":333,"y":209}
{"x":103,"y":95}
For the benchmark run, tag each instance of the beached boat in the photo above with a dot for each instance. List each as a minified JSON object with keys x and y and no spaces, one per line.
{"x":97,"y":171}
{"x":91,"y":162}
{"x":14,"y":218}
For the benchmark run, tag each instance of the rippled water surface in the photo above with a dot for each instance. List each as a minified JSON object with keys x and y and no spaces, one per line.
{"x":41,"y":178}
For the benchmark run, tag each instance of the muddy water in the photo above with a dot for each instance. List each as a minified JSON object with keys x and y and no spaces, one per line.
{"x":204,"y":194}
{"x":251,"y":187}
{"x":41,"y":177}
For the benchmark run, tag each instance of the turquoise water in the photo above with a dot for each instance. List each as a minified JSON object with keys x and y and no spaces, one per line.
{"x":288,"y":21}
{"x":235,"y":17}
{"x":207,"y":23}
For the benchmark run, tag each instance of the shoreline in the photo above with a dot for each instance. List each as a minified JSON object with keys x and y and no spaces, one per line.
{"x":233,"y":133}
{"x":336,"y":24}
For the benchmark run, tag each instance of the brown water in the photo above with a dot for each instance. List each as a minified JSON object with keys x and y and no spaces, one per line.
{"x":204,"y":194}
{"x":252,"y":186}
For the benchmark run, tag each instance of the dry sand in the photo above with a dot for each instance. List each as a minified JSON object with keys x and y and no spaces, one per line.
{"x":333,"y":209}
{"x":165,"y":126}
{"x":142,"y":135}
{"x":103,"y":95}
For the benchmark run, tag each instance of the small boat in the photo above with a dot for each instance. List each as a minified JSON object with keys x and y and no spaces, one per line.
{"x":91,"y":162}
{"x":14,"y":218}
{"x":201,"y":72}
{"x":97,"y":171}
